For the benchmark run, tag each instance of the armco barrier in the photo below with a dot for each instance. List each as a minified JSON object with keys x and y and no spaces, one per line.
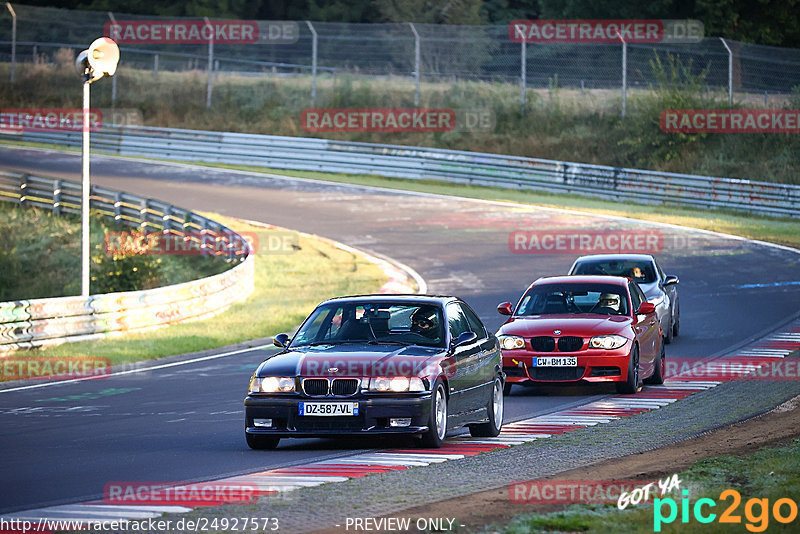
{"x":647,"y":187}
{"x":31,"y":323}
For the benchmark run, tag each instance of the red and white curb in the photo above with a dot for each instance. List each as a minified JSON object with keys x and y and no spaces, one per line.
{"x":287,"y":479}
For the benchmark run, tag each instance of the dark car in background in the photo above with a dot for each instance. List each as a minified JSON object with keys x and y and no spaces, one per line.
{"x":379,"y":365}
{"x":659,"y":288}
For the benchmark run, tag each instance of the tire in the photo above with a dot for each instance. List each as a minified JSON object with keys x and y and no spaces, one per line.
{"x":437,"y":421}
{"x":507,"y":388}
{"x":633,"y":384}
{"x":669,"y":332}
{"x":261,"y":443}
{"x":676,"y":325}
{"x":491,"y":428}
{"x":657,"y":378}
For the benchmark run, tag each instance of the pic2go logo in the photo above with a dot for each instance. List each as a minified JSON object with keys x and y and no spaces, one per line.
{"x":756,"y":511}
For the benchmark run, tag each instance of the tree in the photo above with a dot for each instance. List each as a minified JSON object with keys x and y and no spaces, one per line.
{"x":767,"y":22}
{"x":463,"y":12}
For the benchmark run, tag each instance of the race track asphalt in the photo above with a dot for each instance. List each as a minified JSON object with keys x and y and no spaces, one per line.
{"x":62,"y":443}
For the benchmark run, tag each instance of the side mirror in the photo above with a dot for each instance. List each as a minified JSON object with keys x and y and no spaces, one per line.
{"x":669,"y":280}
{"x":505,"y":308}
{"x":645,"y":308}
{"x":281,"y":340}
{"x":464,"y":338}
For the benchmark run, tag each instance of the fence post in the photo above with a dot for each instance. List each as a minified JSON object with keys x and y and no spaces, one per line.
{"x":730,"y":72}
{"x":13,"y":40}
{"x":624,"y":74}
{"x":210,"y":63}
{"x":313,"y":62}
{"x":113,"y":78}
{"x":57,"y":197}
{"x":524,"y":73}
{"x":416,"y":63}
{"x":155,"y":66}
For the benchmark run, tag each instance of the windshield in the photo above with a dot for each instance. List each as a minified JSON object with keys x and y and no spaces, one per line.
{"x":373,"y":322}
{"x":641,"y":271}
{"x":552,"y":299}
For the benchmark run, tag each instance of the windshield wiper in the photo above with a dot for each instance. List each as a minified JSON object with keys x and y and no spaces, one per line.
{"x":388,"y":342}
{"x":333,"y":342}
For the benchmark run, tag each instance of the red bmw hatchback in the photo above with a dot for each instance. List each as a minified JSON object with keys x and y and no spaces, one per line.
{"x":582,"y":328}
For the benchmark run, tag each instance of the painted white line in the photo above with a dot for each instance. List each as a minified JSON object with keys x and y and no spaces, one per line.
{"x":377,"y":462}
{"x":139,"y":370}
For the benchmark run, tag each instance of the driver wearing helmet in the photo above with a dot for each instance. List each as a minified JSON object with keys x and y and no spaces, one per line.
{"x":637,"y":273}
{"x":424,"y":321}
{"x":610,"y":301}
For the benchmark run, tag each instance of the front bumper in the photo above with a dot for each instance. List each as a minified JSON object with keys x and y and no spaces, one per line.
{"x":593,"y":366}
{"x":372,"y":419}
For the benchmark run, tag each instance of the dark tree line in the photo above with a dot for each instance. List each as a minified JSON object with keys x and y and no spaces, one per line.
{"x":769,"y":22}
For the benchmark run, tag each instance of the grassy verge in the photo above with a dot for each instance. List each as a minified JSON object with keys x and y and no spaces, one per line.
{"x":287,"y":287}
{"x":771,"y":473}
{"x":558,"y":123}
{"x":783,"y":231}
{"x":40,"y":258}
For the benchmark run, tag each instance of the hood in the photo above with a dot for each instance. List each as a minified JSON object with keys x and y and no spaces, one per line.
{"x":581,"y":325}
{"x":353,"y":360}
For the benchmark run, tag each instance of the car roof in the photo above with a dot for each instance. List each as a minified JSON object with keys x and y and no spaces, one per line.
{"x":583,"y":279}
{"x":440,"y":300}
{"x":621,"y":257}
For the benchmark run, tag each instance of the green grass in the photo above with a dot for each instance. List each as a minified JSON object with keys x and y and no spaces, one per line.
{"x":40,"y":258}
{"x":287,"y":287}
{"x":559,"y":123}
{"x":770,"y":473}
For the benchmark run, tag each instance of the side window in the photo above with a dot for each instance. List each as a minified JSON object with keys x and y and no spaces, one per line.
{"x":636,"y":296}
{"x":475,"y":324}
{"x":457,"y":320}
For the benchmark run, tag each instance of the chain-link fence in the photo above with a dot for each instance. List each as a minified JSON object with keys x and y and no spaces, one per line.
{"x":424,"y":53}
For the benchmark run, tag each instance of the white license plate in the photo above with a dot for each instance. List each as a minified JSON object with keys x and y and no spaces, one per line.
{"x":328,"y":409}
{"x":555,"y":361}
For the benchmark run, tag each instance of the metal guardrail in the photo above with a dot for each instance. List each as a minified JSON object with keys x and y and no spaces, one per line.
{"x":276,"y":152}
{"x":38,"y":322}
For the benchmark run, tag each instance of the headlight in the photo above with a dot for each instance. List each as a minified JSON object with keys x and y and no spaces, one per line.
{"x":272,"y":384}
{"x":396,"y":384}
{"x":511,"y":342}
{"x":611,"y":341}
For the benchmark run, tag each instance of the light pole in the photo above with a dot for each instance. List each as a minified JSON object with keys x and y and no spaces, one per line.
{"x":97,"y":61}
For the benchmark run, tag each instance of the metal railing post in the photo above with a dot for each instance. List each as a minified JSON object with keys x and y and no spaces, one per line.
{"x":155,"y":66}
{"x":85,"y":195}
{"x":624,"y":74}
{"x":313,"y":62}
{"x":113,"y":78}
{"x":210,"y":63}
{"x":416,"y":63}
{"x":730,"y":71}
{"x":13,"y":40}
